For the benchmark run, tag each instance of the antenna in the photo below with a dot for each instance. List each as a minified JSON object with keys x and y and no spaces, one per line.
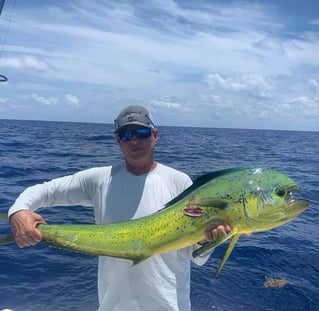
{"x":2,"y":77}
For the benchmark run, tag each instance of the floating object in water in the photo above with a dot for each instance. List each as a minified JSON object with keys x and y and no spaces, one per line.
{"x":275,"y":283}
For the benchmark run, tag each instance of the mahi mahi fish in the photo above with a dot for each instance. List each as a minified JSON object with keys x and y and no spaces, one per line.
{"x":248,"y":199}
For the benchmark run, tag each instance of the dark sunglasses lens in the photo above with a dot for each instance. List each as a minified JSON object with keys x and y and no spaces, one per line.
{"x":139,"y":133}
{"x":143,"y":133}
{"x":126,"y":135}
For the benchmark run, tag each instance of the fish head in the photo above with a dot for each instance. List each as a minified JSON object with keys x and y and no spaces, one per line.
{"x":247,"y":198}
{"x":269,"y":199}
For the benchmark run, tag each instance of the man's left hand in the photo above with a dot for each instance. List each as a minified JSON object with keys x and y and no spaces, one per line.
{"x":214,"y":233}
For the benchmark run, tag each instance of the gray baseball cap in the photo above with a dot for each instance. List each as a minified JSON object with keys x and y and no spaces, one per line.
{"x":133,"y":115}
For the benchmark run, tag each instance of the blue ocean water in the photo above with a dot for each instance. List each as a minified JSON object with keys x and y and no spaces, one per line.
{"x":46,"y":278}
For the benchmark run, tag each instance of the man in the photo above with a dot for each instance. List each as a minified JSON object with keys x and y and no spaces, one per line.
{"x":135,"y":188}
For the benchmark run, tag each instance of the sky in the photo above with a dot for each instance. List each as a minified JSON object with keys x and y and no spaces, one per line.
{"x":224,"y":64}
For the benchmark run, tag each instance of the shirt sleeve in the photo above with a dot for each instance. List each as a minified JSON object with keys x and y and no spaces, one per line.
{"x":70,"y":190}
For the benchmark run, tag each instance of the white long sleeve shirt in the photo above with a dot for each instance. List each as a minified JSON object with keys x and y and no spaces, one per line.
{"x":160,"y":283}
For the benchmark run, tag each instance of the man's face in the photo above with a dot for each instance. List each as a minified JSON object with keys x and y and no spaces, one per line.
{"x":135,"y":144}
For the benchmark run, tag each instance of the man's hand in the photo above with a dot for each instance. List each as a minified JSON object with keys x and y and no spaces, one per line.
{"x":24,"y":229}
{"x":214,"y":233}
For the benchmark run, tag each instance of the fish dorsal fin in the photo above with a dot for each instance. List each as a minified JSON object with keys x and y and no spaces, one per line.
{"x":201,"y":180}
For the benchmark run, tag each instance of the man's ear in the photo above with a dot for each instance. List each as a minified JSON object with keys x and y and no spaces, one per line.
{"x":155,"y":135}
{"x":117,"y":138}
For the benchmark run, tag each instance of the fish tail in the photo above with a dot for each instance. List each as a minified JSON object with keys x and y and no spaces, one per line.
{"x":6,"y":238}
{"x":4,"y":216}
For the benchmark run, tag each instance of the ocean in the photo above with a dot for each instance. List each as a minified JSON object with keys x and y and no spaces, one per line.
{"x":46,"y":278}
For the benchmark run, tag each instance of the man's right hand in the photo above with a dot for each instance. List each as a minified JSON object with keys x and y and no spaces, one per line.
{"x":24,"y":227}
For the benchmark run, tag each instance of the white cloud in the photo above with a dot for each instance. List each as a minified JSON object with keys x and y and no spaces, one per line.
{"x":254,"y":84}
{"x":187,"y":60}
{"x":303,"y":51}
{"x":168,"y":105}
{"x":28,"y":63}
{"x":72,"y":100}
{"x":48,"y":101}
{"x":269,"y":45}
{"x":313,"y":83}
{"x":302,"y":106}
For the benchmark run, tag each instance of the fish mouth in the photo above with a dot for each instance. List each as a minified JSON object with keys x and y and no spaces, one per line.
{"x":295,"y":206}
{"x":298,"y":205}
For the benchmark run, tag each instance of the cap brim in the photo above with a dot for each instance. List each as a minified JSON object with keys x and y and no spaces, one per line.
{"x":133,"y":123}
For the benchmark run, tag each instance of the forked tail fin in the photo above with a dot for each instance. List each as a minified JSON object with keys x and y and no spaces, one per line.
{"x":7,"y":238}
{"x":4,"y":216}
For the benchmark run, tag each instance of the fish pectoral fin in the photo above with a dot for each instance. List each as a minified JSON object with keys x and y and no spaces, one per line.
{"x":227,"y":254}
{"x":138,"y":260}
{"x":5,"y":239}
{"x":206,"y":248}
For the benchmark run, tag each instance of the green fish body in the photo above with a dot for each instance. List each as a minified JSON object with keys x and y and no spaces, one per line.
{"x":247,"y":199}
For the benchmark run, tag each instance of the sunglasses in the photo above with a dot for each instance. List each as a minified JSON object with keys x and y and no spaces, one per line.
{"x":141,"y":133}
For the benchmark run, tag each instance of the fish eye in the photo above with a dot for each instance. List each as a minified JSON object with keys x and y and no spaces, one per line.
{"x":280,"y":192}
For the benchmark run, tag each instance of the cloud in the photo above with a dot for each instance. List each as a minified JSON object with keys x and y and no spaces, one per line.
{"x":47,"y":101}
{"x":72,"y":100}
{"x":254,"y":84}
{"x":162,"y":105}
{"x":314,"y":84}
{"x":307,"y":107}
{"x":191,"y":60}
{"x":28,"y":63}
